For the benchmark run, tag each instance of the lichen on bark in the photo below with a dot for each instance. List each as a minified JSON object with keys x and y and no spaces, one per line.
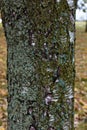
{"x":40,"y":64}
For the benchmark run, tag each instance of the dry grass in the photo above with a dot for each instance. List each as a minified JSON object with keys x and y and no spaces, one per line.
{"x":81,"y":73}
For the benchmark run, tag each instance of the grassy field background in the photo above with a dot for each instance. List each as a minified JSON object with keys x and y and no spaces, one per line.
{"x":81,"y":75}
{"x":80,"y":82}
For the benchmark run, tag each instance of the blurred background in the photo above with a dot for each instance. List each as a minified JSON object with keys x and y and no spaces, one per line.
{"x":81,"y":70}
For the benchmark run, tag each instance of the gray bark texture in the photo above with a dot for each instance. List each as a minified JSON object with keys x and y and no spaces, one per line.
{"x":40,"y":63}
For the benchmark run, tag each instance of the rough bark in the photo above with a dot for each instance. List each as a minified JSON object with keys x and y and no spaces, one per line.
{"x":40,"y":63}
{"x":76,"y":1}
{"x":86,"y":27}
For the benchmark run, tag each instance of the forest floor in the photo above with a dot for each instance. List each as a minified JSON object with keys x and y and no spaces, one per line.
{"x":80,"y":82}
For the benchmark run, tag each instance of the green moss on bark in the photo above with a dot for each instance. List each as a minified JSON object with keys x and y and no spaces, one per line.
{"x":40,"y":61}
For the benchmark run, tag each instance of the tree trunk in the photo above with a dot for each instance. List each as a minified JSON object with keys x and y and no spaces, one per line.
{"x":76,"y":1}
{"x":86,"y":26}
{"x":40,"y":63}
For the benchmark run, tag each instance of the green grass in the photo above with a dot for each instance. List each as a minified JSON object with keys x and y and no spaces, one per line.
{"x":80,"y":26}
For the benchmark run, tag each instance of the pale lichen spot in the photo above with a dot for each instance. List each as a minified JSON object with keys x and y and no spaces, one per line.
{"x":48,"y":99}
{"x":51,"y":117}
{"x":33,"y":44}
{"x":70,"y":3}
{"x":58,"y":1}
{"x":72,"y":36}
{"x":30,"y":110}
{"x":24,"y":90}
{"x":32,"y":128}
